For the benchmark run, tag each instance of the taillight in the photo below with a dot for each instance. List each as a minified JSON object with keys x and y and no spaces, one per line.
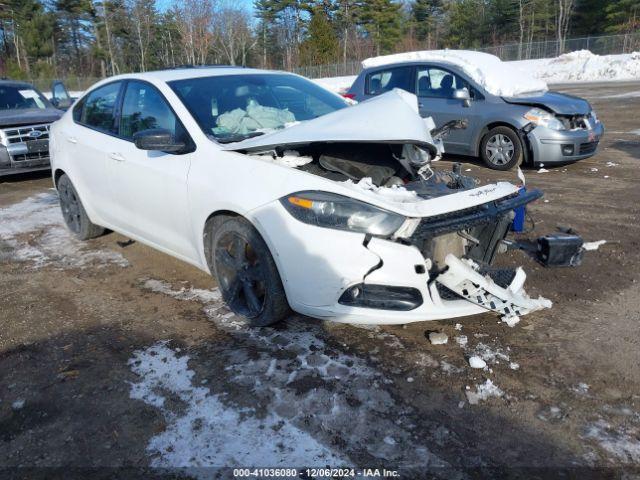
{"x":350,"y":96}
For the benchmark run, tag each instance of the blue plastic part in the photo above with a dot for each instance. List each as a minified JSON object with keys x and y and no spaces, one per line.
{"x":519,"y":219}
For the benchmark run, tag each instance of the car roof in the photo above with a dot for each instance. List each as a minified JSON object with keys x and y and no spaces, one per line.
{"x":412,"y":63}
{"x":15,"y":83}
{"x":186,"y":72}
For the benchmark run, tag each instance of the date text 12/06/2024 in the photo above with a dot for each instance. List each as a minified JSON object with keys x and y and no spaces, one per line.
{"x":315,"y":473}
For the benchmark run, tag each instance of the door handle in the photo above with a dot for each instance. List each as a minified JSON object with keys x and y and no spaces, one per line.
{"x":116,"y":156}
{"x":72,"y":140}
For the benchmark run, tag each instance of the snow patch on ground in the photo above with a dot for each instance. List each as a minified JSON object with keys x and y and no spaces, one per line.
{"x":490,"y":355}
{"x":622,"y":443}
{"x":208,"y":432}
{"x":483,"y":392}
{"x":197,"y":294}
{"x":34,"y":231}
{"x":290,"y":372}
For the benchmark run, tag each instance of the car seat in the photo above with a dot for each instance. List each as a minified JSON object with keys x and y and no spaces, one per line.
{"x":446,"y":86}
{"x":424,"y":86}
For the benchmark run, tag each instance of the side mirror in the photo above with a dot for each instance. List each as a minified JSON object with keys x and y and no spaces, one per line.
{"x":157,"y":139}
{"x":462,"y":94}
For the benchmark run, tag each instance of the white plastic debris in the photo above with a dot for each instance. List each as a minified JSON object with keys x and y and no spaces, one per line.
{"x":458,"y":326}
{"x":477,"y":362}
{"x":18,"y":404}
{"x":511,"y":320}
{"x":437,"y":338}
{"x":593,"y":245}
{"x":542,"y":170}
{"x":410,"y":379}
{"x":514,"y":366}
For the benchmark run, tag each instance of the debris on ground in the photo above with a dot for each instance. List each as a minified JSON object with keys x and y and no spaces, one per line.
{"x":483,"y":392}
{"x":462,"y":340}
{"x":437,"y":338}
{"x":593,"y":245}
{"x":18,"y":404}
{"x":511,"y":320}
{"x":514,"y":366}
{"x":477,"y":362}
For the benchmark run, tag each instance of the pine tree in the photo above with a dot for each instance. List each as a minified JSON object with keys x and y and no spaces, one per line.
{"x":623,"y":16}
{"x":321,"y":45}
{"x":381,"y":21}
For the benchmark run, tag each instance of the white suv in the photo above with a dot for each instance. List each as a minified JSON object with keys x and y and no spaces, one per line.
{"x":287,"y":195}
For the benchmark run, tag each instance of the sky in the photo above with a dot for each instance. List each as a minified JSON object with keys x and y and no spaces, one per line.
{"x":164,"y":5}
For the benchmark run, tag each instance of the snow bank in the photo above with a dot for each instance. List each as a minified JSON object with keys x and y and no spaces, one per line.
{"x":571,"y":67}
{"x":496,"y":76}
{"x":338,"y":85}
{"x":582,"y":66}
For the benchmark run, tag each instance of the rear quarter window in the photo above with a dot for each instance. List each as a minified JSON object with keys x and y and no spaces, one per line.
{"x":384,"y":80}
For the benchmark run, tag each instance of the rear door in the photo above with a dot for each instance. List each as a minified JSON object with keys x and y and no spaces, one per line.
{"x":435,"y":87}
{"x":149,"y":188}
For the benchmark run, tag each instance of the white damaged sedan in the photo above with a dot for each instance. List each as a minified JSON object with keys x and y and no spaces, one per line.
{"x":289,"y":197}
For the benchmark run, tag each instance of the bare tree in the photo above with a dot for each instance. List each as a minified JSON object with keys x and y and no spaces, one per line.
{"x":232,"y":33}
{"x":564,"y":11}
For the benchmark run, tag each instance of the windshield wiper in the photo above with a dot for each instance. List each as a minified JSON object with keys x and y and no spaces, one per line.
{"x":238,"y":137}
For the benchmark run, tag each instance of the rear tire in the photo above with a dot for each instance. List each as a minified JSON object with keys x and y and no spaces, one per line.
{"x":247,"y":275}
{"x":73,"y":212}
{"x":501,"y":149}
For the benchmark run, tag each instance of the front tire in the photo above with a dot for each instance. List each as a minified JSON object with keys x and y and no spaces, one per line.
{"x":73,"y":212}
{"x":246,"y":273}
{"x":501,"y":149}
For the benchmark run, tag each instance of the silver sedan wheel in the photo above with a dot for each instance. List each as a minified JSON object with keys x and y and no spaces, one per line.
{"x":499,"y":149}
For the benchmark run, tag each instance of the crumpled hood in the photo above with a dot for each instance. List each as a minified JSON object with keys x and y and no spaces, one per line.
{"x":31,"y":116}
{"x":389,"y":118}
{"x":558,"y":103}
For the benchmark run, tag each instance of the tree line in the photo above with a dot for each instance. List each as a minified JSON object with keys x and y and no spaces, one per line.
{"x":61,"y":38}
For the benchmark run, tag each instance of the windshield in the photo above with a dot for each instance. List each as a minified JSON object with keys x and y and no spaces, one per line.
{"x":17,"y":97}
{"x":234,"y":107}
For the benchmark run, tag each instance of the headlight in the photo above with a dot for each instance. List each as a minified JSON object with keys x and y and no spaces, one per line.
{"x":543,"y":118}
{"x":343,"y":213}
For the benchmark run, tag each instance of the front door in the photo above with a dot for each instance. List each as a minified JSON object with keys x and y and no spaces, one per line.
{"x":435,"y":88}
{"x":149,"y":188}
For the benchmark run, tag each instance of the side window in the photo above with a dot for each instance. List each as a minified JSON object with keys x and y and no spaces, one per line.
{"x":439,"y":83}
{"x":144,"y":108}
{"x":385,"y":80}
{"x":99,"y":108}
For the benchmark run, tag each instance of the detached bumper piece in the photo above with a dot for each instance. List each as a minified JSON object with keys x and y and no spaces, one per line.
{"x":382,"y":297}
{"x":463,"y":278}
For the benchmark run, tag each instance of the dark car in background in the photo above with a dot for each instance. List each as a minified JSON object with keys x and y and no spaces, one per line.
{"x":25,"y":117}
{"x":538,"y":128}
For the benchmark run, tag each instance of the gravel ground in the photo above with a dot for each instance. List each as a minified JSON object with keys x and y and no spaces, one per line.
{"x":116,"y":358}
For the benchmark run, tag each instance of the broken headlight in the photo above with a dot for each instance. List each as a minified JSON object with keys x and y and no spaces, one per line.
{"x":537,"y":116}
{"x":330,"y":210}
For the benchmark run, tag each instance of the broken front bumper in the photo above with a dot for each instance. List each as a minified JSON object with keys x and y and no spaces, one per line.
{"x":563,"y":146}
{"x":318,"y":265}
